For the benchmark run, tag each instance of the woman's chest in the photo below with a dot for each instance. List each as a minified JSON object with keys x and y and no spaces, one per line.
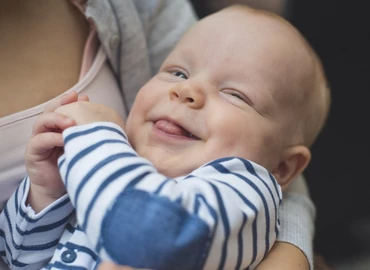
{"x":41,"y":48}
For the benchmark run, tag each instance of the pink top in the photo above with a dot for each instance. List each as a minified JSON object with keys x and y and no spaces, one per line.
{"x":96,"y":80}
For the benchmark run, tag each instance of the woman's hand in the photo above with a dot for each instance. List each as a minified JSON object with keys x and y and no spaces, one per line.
{"x":112,"y":266}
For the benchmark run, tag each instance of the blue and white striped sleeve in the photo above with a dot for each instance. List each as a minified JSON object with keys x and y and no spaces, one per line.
{"x":221,"y":216}
{"x":28,"y":240}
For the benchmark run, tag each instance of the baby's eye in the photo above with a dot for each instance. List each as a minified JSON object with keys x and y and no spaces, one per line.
{"x":179,"y":74}
{"x":239,"y":96}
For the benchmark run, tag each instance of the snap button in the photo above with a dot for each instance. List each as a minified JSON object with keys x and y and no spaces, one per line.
{"x":69,"y":256}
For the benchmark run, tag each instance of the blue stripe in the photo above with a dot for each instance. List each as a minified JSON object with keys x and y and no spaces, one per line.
{"x":223,"y":170}
{"x":60,"y":164}
{"x":16,"y":199}
{"x":251,"y":170}
{"x":22,"y":247}
{"x":226,"y":226}
{"x":196,"y":204}
{"x":220,"y":160}
{"x":72,"y":136}
{"x":240,"y":242}
{"x":274,"y":182}
{"x":16,"y":193}
{"x":59,"y":205}
{"x":84,"y":152}
{"x":276,"y":214}
{"x":18,"y":264}
{"x":98,"y":261}
{"x":3,"y":253}
{"x":159,"y":189}
{"x":215,"y":218}
{"x":60,"y":246}
{"x":106,"y":182}
{"x":224,"y":219}
{"x":45,"y":228}
{"x":11,"y":255}
{"x":137,"y":179}
{"x":95,"y":169}
{"x":70,"y":228}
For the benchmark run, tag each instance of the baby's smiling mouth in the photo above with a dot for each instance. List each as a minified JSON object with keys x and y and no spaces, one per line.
{"x":171,"y":128}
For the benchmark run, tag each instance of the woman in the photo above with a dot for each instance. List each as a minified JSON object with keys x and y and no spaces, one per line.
{"x":108,"y":57}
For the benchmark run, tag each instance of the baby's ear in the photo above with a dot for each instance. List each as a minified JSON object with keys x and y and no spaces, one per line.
{"x":293,"y":161}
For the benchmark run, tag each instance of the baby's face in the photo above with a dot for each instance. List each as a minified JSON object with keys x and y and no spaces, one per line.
{"x":219,"y":93}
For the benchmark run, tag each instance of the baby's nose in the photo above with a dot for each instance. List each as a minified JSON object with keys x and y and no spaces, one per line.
{"x":192,"y":95}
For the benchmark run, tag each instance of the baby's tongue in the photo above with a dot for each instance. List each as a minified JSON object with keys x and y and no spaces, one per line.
{"x":170,"y":128}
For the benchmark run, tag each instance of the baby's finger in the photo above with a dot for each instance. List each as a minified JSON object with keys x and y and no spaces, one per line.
{"x":65,"y":99}
{"x":83,"y":98}
{"x":44,"y":142}
{"x":51,"y":122}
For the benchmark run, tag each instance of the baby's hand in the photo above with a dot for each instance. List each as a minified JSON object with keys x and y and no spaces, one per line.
{"x":42,"y":153}
{"x":86,"y":112}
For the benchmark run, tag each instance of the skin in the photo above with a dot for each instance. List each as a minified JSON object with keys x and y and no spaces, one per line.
{"x":233,"y":98}
{"x":40,"y":58}
{"x":43,"y":150}
{"x":284,"y":256}
{"x":112,"y":266}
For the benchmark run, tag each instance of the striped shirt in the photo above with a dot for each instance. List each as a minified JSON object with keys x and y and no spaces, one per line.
{"x":223,"y":215}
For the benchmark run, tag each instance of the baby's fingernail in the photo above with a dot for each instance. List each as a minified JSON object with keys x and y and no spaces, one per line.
{"x":69,"y":121}
{"x":65,"y":98}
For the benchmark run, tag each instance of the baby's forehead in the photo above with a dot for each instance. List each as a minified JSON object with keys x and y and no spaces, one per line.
{"x":272,"y":50}
{"x":246,"y":22}
{"x":250,"y":18}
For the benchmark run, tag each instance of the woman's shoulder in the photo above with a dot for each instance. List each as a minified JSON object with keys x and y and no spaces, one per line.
{"x":149,"y":12}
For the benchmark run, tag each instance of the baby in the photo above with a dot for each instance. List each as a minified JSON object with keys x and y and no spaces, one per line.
{"x":193,"y":179}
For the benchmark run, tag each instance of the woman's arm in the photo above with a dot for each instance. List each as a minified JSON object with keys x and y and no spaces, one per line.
{"x":284,"y":256}
{"x":138,"y":35}
{"x":294,"y":247}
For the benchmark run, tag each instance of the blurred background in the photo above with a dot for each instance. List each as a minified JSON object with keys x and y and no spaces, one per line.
{"x":338,"y":176}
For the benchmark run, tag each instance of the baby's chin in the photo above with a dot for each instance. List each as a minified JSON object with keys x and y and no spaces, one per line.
{"x":171,"y":166}
{"x":173,"y":172}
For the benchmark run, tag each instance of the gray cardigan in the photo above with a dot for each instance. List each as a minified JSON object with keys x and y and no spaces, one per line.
{"x":137,"y":35}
